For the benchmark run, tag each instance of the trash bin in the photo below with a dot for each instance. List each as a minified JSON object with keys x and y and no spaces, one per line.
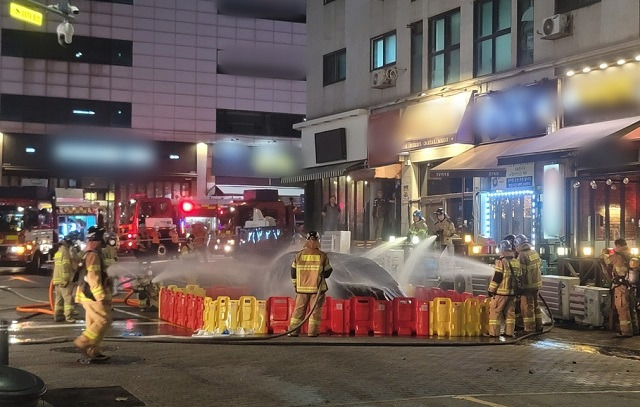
{"x":19,"y":388}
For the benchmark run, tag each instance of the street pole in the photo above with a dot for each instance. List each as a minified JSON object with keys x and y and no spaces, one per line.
{"x":4,"y":343}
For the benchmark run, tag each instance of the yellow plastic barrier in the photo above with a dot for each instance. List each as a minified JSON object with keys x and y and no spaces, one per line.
{"x":442,"y":314}
{"x":456,"y":319}
{"x":223,"y":311}
{"x":260,"y":321}
{"x":432,"y":319}
{"x":210,"y":314}
{"x":195,"y":290}
{"x":472,"y":315}
{"x":246,"y":316}
{"x":175,"y":288}
{"x":484,"y":316}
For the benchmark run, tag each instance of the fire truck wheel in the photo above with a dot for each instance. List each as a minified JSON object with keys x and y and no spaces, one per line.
{"x":162,"y":250}
{"x":36,"y":263}
{"x":460,"y":285}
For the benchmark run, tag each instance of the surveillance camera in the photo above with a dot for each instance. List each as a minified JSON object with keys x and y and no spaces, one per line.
{"x":65,"y":33}
{"x":74,"y":10}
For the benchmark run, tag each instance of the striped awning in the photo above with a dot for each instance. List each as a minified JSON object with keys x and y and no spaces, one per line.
{"x":326,"y":171}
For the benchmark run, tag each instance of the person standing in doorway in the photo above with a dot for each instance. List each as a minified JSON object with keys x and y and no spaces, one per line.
{"x":330,"y":215}
{"x":380,"y":207}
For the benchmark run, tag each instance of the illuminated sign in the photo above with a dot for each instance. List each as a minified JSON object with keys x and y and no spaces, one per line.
{"x":25,"y":14}
{"x":520,"y":176}
{"x":553,"y":201}
{"x":103,"y":154}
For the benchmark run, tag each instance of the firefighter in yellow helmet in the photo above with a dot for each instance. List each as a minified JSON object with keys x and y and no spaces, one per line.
{"x":309,"y":270}
{"x":94,"y":293}
{"x":531,"y":268}
{"x":502,"y":292}
{"x":63,"y":273}
{"x":623,"y":283}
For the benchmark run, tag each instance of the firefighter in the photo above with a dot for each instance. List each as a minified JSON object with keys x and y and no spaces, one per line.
{"x":501,"y":291}
{"x":109,"y":250}
{"x":624,"y":278}
{"x":94,"y":293}
{"x":63,"y":273}
{"x":419,"y":226}
{"x":200,"y":235}
{"x":309,"y":270}
{"x":154,"y":233}
{"x":175,"y":242}
{"x":511,"y":239}
{"x":530,"y":267}
{"x":445,"y":229}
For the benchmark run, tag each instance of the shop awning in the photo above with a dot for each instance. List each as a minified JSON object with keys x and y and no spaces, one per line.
{"x":326,"y":171}
{"x":568,"y":140}
{"x":480,"y":161}
{"x":238,"y":190}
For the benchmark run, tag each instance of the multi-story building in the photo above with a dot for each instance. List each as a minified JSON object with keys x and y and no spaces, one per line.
{"x":160,"y":97}
{"x":472,"y":106}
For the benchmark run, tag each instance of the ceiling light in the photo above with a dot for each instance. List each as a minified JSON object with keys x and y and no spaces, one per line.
{"x":571,"y":73}
{"x":621,"y":62}
{"x":30,"y":150}
{"x":586,"y":70}
{"x":638,"y":58}
{"x":604,"y":66}
{"x":174,"y":157}
{"x":84,"y":112}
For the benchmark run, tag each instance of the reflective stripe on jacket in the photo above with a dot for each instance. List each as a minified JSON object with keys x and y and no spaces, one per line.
{"x":307,"y":269}
{"x":94,"y":280}
{"x":504,"y":269}
{"x":531,"y":268}
{"x":62,"y":270}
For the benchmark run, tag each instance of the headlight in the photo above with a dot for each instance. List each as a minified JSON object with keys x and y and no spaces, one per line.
{"x":231,"y":242}
{"x":227,"y":249}
{"x":392,"y":239}
{"x":216,"y":247}
{"x":477,"y":249}
{"x":17,"y":249}
{"x":415,"y":240}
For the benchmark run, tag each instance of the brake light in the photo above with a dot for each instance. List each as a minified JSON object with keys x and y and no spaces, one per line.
{"x":187,"y":206}
{"x":130,"y":244}
{"x":129,"y":236}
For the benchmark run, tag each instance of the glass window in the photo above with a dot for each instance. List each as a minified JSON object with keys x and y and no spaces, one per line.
{"x":493,"y":36}
{"x":334,"y":67}
{"x":525,"y":32}
{"x":564,"y":6}
{"x":257,"y":123}
{"x":444,"y":49}
{"x":383,"y":50}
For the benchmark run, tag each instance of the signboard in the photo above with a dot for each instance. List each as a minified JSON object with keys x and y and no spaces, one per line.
{"x":553,"y":201}
{"x":34,"y":182}
{"x":520,"y":176}
{"x":382,"y":138}
{"x":25,"y":14}
{"x":498,"y":184}
{"x":267,"y":161}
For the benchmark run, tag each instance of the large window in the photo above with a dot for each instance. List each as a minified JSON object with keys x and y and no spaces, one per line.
{"x":492,"y":36}
{"x":525,"y":32}
{"x":416,"y":56}
{"x":444,"y":49}
{"x":564,"y":6}
{"x":334,"y":67}
{"x":383,"y":50}
{"x":257,"y":123}
{"x":37,"y":109}
{"x":42,"y":45}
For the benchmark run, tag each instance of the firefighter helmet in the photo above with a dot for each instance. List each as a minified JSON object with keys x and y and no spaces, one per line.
{"x":505,"y":246}
{"x":440,"y":211}
{"x":417,"y":214}
{"x":95,"y":234}
{"x":313,"y":235}
{"x":520,"y":240}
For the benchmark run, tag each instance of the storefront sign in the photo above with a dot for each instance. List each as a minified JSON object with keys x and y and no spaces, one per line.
{"x":239,"y":160}
{"x":521,"y":112}
{"x":553,"y":201}
{"x":520,"y":176}
{"x":435,"y":122}
{"x":498,"y":184}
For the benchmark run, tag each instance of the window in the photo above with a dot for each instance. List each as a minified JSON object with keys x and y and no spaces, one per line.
{"x":42,"y":45}
{"x":257,"y":123}
{"x":492,"y":36}
{"x":383,"y":50}
{"x":416,"y":56}
{"x":37,"y":109}
{"x":525,"y":32}
{"x":334,"y":67}
{"x":444,"y":49}
{"x":564,"y":6}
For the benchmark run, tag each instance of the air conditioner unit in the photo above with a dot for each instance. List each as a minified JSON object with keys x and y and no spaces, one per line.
{"x":336,"y":241}
{"x":556,"y":291}
{"x":384,"y":78}
{"x":557,"y":26}
{"x":591,"y":305}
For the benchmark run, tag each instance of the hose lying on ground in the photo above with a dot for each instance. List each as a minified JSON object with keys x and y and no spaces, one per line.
{"x":38,"y":307}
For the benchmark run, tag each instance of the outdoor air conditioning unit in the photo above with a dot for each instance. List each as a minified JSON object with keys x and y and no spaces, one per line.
{"x":556,"y":291}
{"x":384,"y":78}
{"x":591,"y":305}
{"x":557,"y":26}
{"x":336,"y":241}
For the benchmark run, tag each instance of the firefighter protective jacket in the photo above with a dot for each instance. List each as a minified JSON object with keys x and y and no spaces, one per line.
{"x":530,"y":267}
{"x":619,"y":262}
{"x":448,"y":230}
{"x":419,"y":229}
{"x":505,"y":270}
{"x":92,"y":286}
{"x":307,"y":269}
{"x":63,"y":266}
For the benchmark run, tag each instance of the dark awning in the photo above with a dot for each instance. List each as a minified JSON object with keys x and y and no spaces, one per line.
{"x":480,"y":161}
{"x":567,"y":140}
{"x":326,"y":171}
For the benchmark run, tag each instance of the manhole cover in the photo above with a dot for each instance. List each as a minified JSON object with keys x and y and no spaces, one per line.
{"x":115,"y":360}
{"x":73,"y":349}
{"x":113,"y":396}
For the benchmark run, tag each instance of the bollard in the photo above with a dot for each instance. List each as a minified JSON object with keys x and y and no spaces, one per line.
{"x":4,"y":343}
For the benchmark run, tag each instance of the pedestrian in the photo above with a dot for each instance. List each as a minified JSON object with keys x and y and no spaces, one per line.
{"x":380,"y":207}
{"x":94,"y":293}
{"x":63,"y":273}
{"x":445,"y":229}
{"x":501,"y":291}
{"x":330,"y":215}
{"x":623,"y":279}
{"x":531,"y":269}
{"x":309,"y":270}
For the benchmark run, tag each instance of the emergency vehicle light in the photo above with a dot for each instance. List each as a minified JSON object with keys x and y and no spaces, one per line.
{"x":187,"y":206}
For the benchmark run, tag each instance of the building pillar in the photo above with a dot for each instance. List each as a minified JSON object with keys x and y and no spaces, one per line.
{"x":201,"y":167}
{"x":1,"y":152}
{"x":410,"y":195}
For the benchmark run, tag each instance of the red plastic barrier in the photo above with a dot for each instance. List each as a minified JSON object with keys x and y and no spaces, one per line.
{"x":421,"y":293}
{"x":422,"y":317}
{"x":435,"y":293}
{"x":382,"y":317}
{"x":465,"y":296}
{"x":181,"y":309}
{"x":337,"y":318}
{"x":362,"y":315}
{"x":168,"y":306}
{"x":404,"y":316}
{"x":279,"y":311}
{"x":195,"y":309}
{"x":452,"y":295}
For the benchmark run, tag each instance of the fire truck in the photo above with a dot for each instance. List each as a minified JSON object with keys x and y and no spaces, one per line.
{"x":27,"y":225}
{"x":74,"y":213}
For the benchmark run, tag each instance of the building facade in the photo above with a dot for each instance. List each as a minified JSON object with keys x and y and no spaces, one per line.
{"x":172,"y":84}
{"x":459,"y":104}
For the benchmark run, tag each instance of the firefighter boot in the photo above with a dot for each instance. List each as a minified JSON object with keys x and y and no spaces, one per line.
{"x":82,"y":343}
